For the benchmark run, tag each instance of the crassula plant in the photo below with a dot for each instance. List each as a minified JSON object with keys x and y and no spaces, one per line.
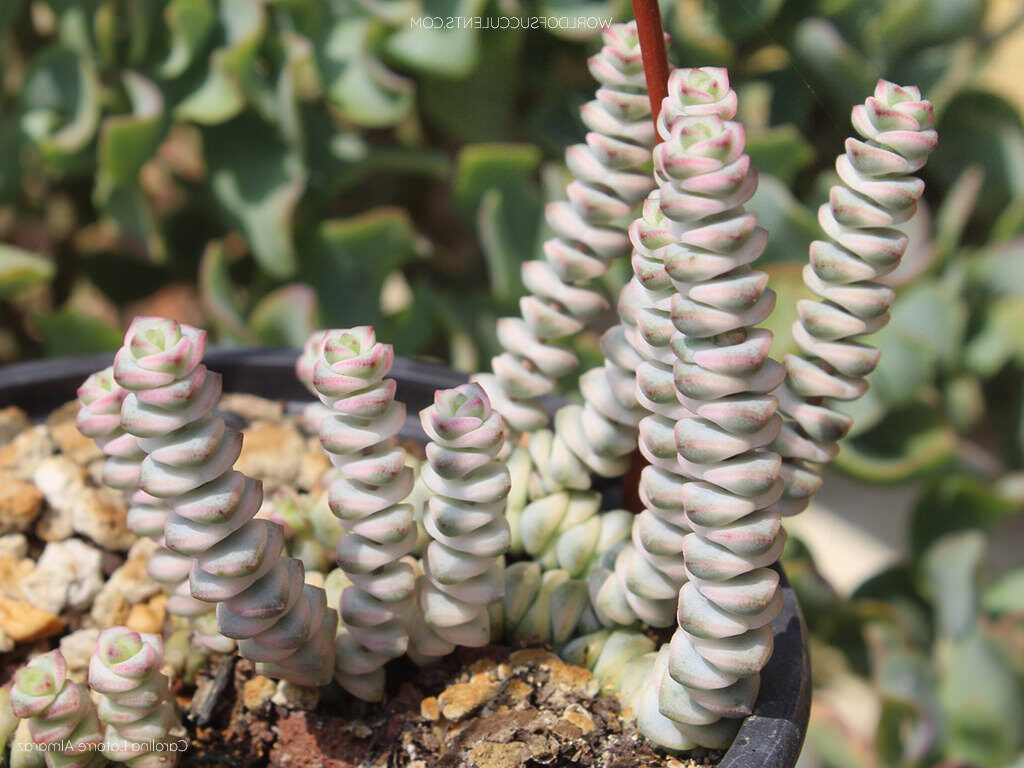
{"x":61,"y":717}
{"x":501,"y":536}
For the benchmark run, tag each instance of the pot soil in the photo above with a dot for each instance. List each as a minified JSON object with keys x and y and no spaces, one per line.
{"x":488,"y":708}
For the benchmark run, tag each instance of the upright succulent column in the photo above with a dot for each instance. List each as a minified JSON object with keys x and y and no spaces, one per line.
{"x":611,"y":177}
{"x":366,"y":494}
{"x":99,"y":417}
{"x":876,"y":193}
{"x":722,"y":379}
{"x":135,"y":702}
{"x":469,"y":534}
{"x":237,"y":561}
{"x":61,"y":716}
{"x":703,"y":179}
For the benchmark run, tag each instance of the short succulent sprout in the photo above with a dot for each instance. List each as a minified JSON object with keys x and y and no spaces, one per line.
{"x":134,"y":702}
{"x":61,"y":717}
{"x":469,"y":535}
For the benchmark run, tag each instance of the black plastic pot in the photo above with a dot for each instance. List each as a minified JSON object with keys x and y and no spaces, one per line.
{"x":770,"y":738}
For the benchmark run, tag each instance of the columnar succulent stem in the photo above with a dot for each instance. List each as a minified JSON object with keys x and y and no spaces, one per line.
{"x":703,"y":179}
{"x":469,"y":535}
{"x":237,"y":561}
{"x":61,"y":716}
{"x":722,"y":380}
{"x":135,"y":702}
{"x":99,"y":417}
{"x":366,"y":494}
{"x":611,"y":177}
{"x":877,"y":191}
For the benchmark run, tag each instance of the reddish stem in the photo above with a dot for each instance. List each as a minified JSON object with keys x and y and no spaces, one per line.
{"x":652,"y":50}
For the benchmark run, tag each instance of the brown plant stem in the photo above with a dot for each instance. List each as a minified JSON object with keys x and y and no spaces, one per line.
{"x":652,"y":49}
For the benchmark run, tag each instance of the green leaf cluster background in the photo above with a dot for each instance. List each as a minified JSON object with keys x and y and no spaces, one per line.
{"x":266,"y":168}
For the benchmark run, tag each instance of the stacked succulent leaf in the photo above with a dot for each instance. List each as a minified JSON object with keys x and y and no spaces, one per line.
{"x":235,"y":560}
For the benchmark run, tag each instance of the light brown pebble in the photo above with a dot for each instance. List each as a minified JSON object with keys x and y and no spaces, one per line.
{"x":257,"y":691}
{"x":459,"y":700}
{"x":12,"y":422}
{"x":271,"y":453}
{"x":252,"y":407}
{"x":73,"y":443}
{"x":489,"y":754}
{"x":148,"y":617}
{"x":579,"y":717}
{"x":517,"y":690}
{"x":429,"y":708}
{"x":23,"y":622}
{"x":20,"y":504}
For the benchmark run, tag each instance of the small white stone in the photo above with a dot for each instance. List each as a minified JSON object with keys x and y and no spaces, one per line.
{"x":68,"y":574}
{"x":62,"y":483}
{"x":25,"y":452}
{"x":128,"y":585}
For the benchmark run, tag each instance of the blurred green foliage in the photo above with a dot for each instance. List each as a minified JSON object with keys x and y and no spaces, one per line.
{"x":265,"y":168}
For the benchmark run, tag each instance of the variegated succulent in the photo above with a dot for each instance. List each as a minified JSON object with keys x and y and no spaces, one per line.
{"x":367,"y":494}
{"x":463,"y":563}
{"x":134,"y":701}
{"x":61,"y":717}
{"x":236,"y":560}
{"x":878,"y":191}
{"x":99,"y":417}
{"x":611,"y":176}
{"x":702,"y":176}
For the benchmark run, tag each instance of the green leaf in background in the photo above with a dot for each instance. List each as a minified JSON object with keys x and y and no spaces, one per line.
{"x":218,"y":297}
{"x":908,"y":442}
{"x":61,"y":104}
{"x":954,"y":502}
{"x":983,"y":699}
{"x":285,"y":317}
{"x":1005,"y":594}
{"x":786,"y":279}
{"x":20,"y":269}
{"x":792,"y":225}
{"x":68,"y":332}
{"x":445,"y":52}
{"x":495,"y":186}
{"x":846,"y":76}
{"x":905,"y":24}
{"x":189,"y":23}
{"x":128,"y":141}
{"x":781,"y":151}
{"x":999,"y":340}
{"x":257,"y":181}
{"x":950,"y":570}
{"x":358,"y":85}
{"x":478,"y":107}
{"x":982,"y":129}
{"x":350,"y":259}
{"x":222,"y":93}
{"x":742,"y":18}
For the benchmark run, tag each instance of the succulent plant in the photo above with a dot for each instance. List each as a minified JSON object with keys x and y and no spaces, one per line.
{"x":310,"y":530}
{"x":99,"y":417}
{"x":545,"y":606}
{"x":565,"y":529}
{"x":366,"y":494}
{"x":237,"y":562}
{"x":878,"y":192}
{"x":701,"y":174}
{"x":610,"y":178}
{"x":469,"y":536}
{"x":134,"y":700}
{"x":721,"y":380}
{"x":61,"y":716}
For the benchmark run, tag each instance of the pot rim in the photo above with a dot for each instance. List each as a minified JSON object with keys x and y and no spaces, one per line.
{"x":769,"y":738}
